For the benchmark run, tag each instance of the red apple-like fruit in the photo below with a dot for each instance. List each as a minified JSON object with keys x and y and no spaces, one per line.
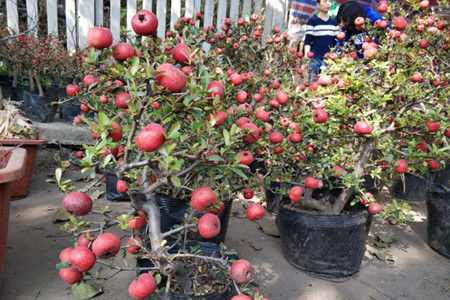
{"x":295,"y":138}
{"x":361,"y":127}
{"x":171,"y":78}
{"x":116,"y":134}
{"x":253,"y":136}
{"x":82,"y":258}
{"x":70,"y":275}
{"x":220,"y":117}
{"x":99,"y":37}
{"x":77,"y":203}
{"x":122,"y":51}
{"x":217,"y":89}
{"x":121,"y":186}
{"x":91,"y":81}
{"x":399,"y":23}
{"x":402,"y":166}
{"x":432,"y":126}
{"x":64,"y":255}
{"x":106,"y":245}
{"x":382,"y":7}
{"x":320,"y":116}
{"x":132,"y":246}
{"x":241,"y":271}
{"x":85,"y":239}
{"x":311,"y":182}
{"x":245,"y":157}
{"x":142,"y":287}
{"x":248,"y":193}
{"x":138,"y":221}
{"x":433,"y":165}
{"x":276,"y":137}
{"x":209,"y":226}
{"x":79,"y":154}
{"x":144,"y":23}
{"x":359,"y":21}
{"x":375,"y":208}
{"x":255,"y":211}
{"x":181,"y":53}
{"x":122,"y":99}
{"x":367,"y":198}
{"x":150,"y":138}
{"x":203,"y":198}
{"x":72,"y":89}
{"x":295,"y":194}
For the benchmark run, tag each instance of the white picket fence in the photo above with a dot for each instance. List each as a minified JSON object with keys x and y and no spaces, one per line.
{"x":83,"y":14}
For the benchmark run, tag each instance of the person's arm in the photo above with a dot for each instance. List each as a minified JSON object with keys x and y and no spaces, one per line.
{"x":372,"y":15}
{"x":309,"y":35}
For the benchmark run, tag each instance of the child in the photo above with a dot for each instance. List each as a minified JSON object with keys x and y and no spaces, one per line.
{"x":321,"y":32}
{"x":346,"y":16}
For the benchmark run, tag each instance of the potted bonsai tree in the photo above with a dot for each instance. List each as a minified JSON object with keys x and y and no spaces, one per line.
{"x":162,"y":127}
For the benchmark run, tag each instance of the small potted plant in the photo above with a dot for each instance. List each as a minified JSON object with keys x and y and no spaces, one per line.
{"x":155,"y":119}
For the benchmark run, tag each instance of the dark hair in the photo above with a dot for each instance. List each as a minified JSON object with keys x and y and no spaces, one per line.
{"x":348,"y":12}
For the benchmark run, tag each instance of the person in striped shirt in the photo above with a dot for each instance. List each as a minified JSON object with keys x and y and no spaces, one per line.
{"x":320,"y":36}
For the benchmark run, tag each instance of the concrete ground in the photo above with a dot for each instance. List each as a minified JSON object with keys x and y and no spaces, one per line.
{"x":34,"y":243}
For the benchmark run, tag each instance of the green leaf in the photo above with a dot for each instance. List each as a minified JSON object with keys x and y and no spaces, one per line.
{"x":386,"y":239}
{"x":173,"y":132}
{"x":175,"y":180}
{"x":226,"y":136}
{"x":215,"y":157}
{"x":239,"y":172}
{"x":97,"y":194}
{"x":83,"y":290}
{"x":102,"y":118}
{"x":63,"y":265}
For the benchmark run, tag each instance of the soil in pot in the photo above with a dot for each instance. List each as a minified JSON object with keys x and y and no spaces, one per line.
{"x":39,"y":108}
{"x":438,"y":218}
{"x":208,"y":283}
{"x":332,"y":246}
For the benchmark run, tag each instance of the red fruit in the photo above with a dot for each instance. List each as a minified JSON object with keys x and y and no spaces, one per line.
{"x":367,"y":198}
{"x":203,"y":198}
{"x":320,"y":116}
{"x":241,"y":271}
{"x":282,"y":97}
{"x":171,"y":78}
{"x":424,"y":4}
{"x":253,"y":136}
{"x":433,"y":165}
{"x":423,"y":43}
{"x":241,"y":97}
{"x":417,"y":77}
{"x":236,"y":79}
{"x":248,"y":193}
{"x":142,"y":287}
{"x":311,"y":183}
{"x":382,"y":7}
{"x":255,"y":211}
{"x":295,"y":138}
{"x":217,"y":89}
{"x":242,"y":120}
{"x":422,"y":146}
{"x":181,"y":53}
{"x":77,"y":203}
{"x":447,"y":133}
{"x":122,"y":51}
{"x":209,"y":226}
{"x":90,"y":80}
{"x":276,"y":138}
{"x":341,"y":35}
{"x":150,"y":138}
{"x":370,"y":52}
{"x":432,"y":126}
{"x":64,"y":255}
{"x":361,"y":127}
{"x":310,"y":55}
{"x":121,"y":186}
{"x":220,"y":117}
{"x":106,"y":245}
{"x":374,"y":208}
{"x":122,"y":99}
{"x":116,"y":134}
{"x":262,"y":114}
{"x":359,"y":21}
{"x":324,"y":80}
{"x":85,"y":239}
{"x":77,"y":120}
{"x":99,"y":37}
{"x":84,"y":108}
{"x":144,"y":22}
{"x":241,"y":297}
{"x":216,"y":209}
{"x":245,"y":107}
{"x":82,"y":258}
{"x":399,"y":23}
{"x":138,"y":221}
{"x":338,"y":171}
{"x":246,"y":157}
{"x":70,"y":275}
{"x":132,"y":246}
{"x":402,"y":166}
{"x":79,"y":154}
{"x":72,"y":89}
{"x":295,"y":194}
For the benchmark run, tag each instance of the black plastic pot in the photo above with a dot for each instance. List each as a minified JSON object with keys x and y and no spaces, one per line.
{"x":7,"y":91}
{"x":443,"y":177}
{"x":39,"y":108}
{"x":438,"y":216}
{"x":415,"y":187}
{"x":273,"y":196}
{"x":173,"y":210}
{"x":328,"y":245}
{"x":70,"y":109}
{"x":206,"y":249}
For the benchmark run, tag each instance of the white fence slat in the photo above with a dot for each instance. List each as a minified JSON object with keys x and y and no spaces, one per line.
{"x":221,"y":13}
{"x":131,"y":11}
{"x":161,"y":10}
{"x":86,"y":17}
{"x":246,"y":7}
{"x":208,"y":18}
{"x":189,"y":8}
{"x":234,"y":10}
{"x":52,"y":17}
{"x":12,"y":15}
{"x":147,"y":4}
{"x":268,"y":14}
{"x":175,"y":13}
{"x":32,"y":15}
{"x":279,"y":14}
{"x":98,"y":12}
{"x":71,"y":30}
{"x":258,"y":6}
{"x":115,"y":19}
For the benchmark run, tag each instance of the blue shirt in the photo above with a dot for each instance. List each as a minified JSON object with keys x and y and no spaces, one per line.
{"x":321,"y":35}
